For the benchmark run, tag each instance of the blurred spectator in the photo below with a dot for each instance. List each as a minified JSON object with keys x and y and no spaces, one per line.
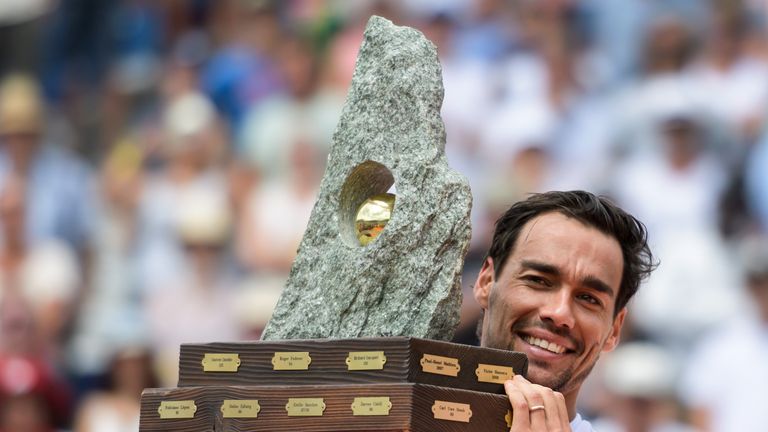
{"x":732,"y":81}
{"x":33,"y":395}
{"x":723,"y":382}
{"x":78,"y":43}
{"x":45,"y":275}
{"x":673,"y":187}
{"x":194,"y":304}
{"x":58,"y":185}
{"x":112,"y":311}
{"x":272,"y":225}
{"x":244,"y":71}
{"x":277,"y":213}
{"x":485,"y":34}
{"x":117,"y":409}
{"x":21,"y":24}
{"x":307,"y":112}
{"x":190,"y":158}
{"x":639,"y":380}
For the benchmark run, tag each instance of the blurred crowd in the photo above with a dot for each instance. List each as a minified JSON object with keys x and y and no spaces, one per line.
{"x":159,"y":160}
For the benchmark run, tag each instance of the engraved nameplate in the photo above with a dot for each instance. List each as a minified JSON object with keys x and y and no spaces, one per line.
{"x":232,"y":408}
{"x":452,"y":411}
{"x":305,"y":407}
{"x":440,"y":365}
{"x":221,"y":362}
{"x":291,"y":361}
{"x":366,"y":360}
{"x":494,"y":373}
{"x":182,"y":409}
{"x":371,"y":406}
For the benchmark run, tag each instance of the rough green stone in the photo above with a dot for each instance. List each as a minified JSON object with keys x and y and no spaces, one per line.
{"x":407,"y":282}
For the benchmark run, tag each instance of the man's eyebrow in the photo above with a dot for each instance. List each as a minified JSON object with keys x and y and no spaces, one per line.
{"x":591,"y":282}
{"x":540,"y":267}
{"x":597,"y":285}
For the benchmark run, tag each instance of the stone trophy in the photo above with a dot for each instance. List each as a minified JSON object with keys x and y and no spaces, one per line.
{"x":357,"y":340}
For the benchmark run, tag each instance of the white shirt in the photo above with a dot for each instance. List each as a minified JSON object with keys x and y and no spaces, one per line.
{"x":580,"y":425}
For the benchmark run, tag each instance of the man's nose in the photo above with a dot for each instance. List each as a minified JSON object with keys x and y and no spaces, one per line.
{"x":559,"y":309}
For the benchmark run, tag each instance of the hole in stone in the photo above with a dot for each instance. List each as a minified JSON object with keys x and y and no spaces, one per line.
{"x":365,"y":205}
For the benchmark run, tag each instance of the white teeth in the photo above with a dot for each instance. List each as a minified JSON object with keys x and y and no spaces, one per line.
{"x":549,"y":346}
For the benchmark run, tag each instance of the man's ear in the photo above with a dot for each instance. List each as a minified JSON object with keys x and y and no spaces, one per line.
{"x":484,"y":283}
{"x":613,"y":338}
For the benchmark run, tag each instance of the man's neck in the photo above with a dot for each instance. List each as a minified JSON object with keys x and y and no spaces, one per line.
{"x":570,"y":403}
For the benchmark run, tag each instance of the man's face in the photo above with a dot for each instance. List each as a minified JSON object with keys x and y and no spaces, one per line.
{"x":557,"y":290}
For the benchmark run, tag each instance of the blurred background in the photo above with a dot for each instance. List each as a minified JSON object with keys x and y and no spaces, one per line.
{"x":159,"y":160}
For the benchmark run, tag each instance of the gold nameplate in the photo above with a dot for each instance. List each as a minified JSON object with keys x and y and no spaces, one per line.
{"x":366,"y":360}
{"x":221,"y":362}
{"x":305,"y":407}
{"x":371,"y":406}
{"x":240,"y":408}
{"x":493,"y":373}
{"x":508,"y":419}
{"x":183,"y":409}
{"x":440,"y":365}
{"x":452,"y":411}
{"x":291,"y":361}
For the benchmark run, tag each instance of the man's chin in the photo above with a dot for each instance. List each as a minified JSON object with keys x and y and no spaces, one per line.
{"x":548,"y":378}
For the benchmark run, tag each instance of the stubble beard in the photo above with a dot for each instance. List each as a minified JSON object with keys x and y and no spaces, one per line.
{"x":563,"y":382}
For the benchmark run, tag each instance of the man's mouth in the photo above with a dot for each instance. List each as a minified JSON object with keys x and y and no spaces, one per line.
{"x":541,"y":343}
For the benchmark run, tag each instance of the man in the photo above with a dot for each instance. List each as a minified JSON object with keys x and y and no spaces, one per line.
{"x":555,"y":284}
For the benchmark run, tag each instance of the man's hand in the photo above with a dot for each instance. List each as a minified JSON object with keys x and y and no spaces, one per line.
{"x":536,"y":408}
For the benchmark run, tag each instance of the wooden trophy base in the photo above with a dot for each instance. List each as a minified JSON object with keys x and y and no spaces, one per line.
{"x":375,"y":384}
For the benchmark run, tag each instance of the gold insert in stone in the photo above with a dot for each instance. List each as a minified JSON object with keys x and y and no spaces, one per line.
{"x":372,"y":216}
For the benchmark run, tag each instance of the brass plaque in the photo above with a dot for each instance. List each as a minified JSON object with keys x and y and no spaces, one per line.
{"x":232,"y":408}
{"x":452,"y":411}
{"x":440,"y":365}
{"x":366,"y":360}
{"x":291,"y":361}
{"x":494,"y":373}
{"x":221,"y":362}
{"x":371,"y":406}
{"x":305,"y":407}
{"x":182,"y":409}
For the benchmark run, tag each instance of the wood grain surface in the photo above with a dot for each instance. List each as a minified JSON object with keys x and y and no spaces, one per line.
{"x":411,"y":409}
{"x":328,"y":363}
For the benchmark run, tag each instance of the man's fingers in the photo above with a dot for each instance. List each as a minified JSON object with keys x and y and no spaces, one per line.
{"x":555,"y":409}
{"x":564,"y":417}
{"x":535,"y":401}
{"x":520,"y":418}
{"x":543,"y":408}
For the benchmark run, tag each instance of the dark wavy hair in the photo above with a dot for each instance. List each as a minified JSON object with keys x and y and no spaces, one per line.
{"x":592,"y":210}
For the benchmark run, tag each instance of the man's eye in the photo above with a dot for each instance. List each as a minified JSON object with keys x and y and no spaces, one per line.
{"x":589,"y":299}
{"x":537,"y":280}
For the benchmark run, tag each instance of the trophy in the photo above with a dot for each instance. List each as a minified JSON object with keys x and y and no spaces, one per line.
{"x":357,"y":341}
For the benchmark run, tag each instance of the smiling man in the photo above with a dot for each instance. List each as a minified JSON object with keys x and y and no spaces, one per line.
{"x":555,"y":284}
